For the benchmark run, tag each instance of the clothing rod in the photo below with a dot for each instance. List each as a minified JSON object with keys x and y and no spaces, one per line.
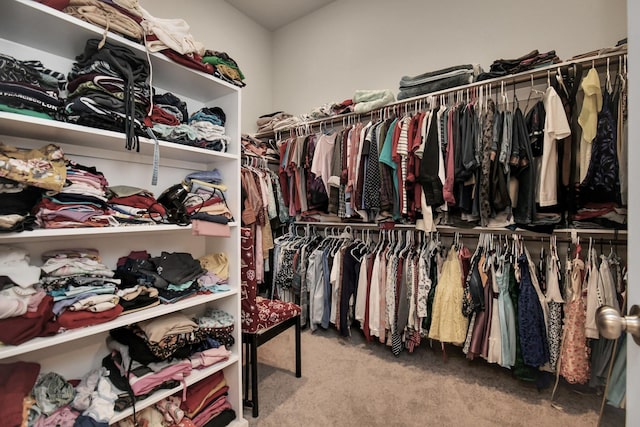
{"x":523,"y":77}
{"x":619,"y":236}
{"x":518,"y":78}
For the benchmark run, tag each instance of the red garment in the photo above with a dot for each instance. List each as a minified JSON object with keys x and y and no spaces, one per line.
{"x":414,"y":188}
{"x":83,"y":78}
{"x":40,"y":323}
{"x":344,"y":173}
{"x":77,"y":319}
{"x":16,"y":381}
{"x":161,"y":116}
{"x":282,"y":173}
{"x":222,"y":393}
{"x":133,"y":255}
{"x":140,"y":201}
{"x":447,"y":190}
{"x":56,"y":4}
{"x":197,"y":393}
{"x":354,"y":145}
{"x":294,"y":178}
{"x":398,"y":161}
{"x":192,"y":60}
{"x":212,"y":201}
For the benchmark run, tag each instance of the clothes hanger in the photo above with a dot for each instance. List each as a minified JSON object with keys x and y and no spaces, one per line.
{"x":533,"y":90}
{"x":370,"y":242}
{"x":390,"y":245}
{"x":516,"y":102}
{"x":560,"y":81}
{"x":408,"y":243}
{"x":401,"y":242}
{"x":398,"y":241}
{"x":379,"y":243}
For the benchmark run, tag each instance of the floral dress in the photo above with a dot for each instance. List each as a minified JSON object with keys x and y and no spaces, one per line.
{"x":574,"y":356}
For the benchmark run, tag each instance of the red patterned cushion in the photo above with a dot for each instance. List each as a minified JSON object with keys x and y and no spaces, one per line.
{"x":258,"y":312}
{"x":268,"y":312}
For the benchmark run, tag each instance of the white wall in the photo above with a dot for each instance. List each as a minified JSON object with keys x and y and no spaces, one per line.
{"x":358,"y":44}
{"x":221,"y":27}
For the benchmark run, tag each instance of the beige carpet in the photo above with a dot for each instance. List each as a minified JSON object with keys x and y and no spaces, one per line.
{"x":348,"y":382}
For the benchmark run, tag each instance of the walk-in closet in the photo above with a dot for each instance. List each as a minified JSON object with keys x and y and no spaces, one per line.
{"x":321,"y":212}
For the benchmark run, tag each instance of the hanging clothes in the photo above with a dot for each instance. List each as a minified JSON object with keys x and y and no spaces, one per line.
{"x":508,"y":325}
{"x":531,"y":321}
{"x":448,"y":324}
{"x":482,"y":322}
{"x":588,"y":118}
{"x":522,"y":171}
{"x":485,"y":162}
{"x":556,"y":127}
{"x":601,"y":182}
{"x":595,"y":294}
{"x":555,"y":302}
{"x":574,"y":356}
{"x":494,"y":351}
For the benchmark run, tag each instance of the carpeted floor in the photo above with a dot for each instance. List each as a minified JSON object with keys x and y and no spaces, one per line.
{"x":348,"y":382}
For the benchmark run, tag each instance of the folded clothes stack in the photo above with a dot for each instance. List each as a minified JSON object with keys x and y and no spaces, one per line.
{"x":433,"y":81}
{"x":345,"y":107}
{"x":621,"y":45}
{"x":203,"y":129}
{"x":28,"y":87}
{"x":252,"y":146}
{"x":533,"y":59}
{"x":225,"y":67}
{"x":111,"y":15}
{"x":287,"y":123}
{"x":368,"y":100}
{"x":109,"y":89}
{"x":321,"y":112}
{"x":267,"y":122}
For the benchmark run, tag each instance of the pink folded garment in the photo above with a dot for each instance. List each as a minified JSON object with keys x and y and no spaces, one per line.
{"x":208,"y":228}
{"x":209,"y":357}
{"x":146,"y":383}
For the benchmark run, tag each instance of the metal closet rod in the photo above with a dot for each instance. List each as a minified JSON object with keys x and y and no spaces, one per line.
{"x":510,"y":79}
{"x":618,"y":237}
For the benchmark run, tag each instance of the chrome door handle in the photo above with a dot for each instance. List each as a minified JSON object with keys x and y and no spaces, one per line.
{"x":611,"y":324}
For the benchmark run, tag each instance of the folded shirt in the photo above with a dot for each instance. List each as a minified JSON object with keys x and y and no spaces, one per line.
{"x":171,"y":324}
{"x":407,"y":81}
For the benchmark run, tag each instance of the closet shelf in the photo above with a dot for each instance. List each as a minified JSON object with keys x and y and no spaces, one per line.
{"x":70,"y":37}
{"x":83,"y":232}
{"x":195,"y":376}
{"x":23,"y":126}
{"x":124,"y":320}
{"x":509,"y":80}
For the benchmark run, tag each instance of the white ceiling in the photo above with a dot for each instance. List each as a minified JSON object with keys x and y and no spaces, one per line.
{"x":273,"y":14}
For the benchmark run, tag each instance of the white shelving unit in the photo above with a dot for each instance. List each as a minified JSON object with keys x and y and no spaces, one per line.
{"x":30,"y":30}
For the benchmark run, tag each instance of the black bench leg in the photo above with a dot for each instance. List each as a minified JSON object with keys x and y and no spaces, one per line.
{"x":298,"y":350}
{"x":254,"y":375}
{"x":246,"y":371}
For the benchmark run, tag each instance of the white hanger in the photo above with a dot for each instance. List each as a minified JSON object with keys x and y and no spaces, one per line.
{"x":548,"y":78}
